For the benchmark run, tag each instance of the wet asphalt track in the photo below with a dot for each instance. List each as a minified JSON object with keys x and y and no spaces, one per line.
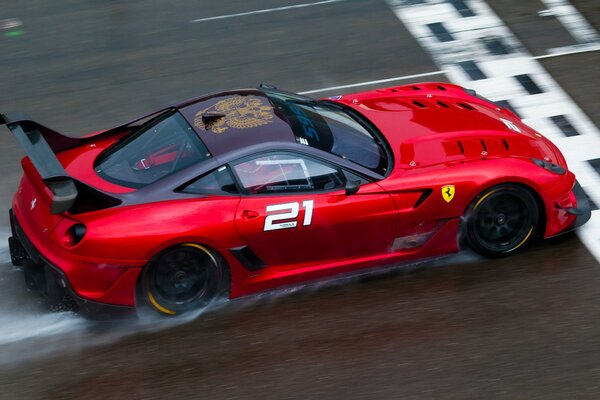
{"x":524,"y":327}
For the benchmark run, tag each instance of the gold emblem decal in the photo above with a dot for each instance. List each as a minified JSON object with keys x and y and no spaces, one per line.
{"x":239,"y":112}
{"x":448,"y":193}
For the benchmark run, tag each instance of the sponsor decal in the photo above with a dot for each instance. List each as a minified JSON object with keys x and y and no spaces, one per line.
{"x":510,"y":125}
{"x":301,"y":140}
{"x":308,"y":127}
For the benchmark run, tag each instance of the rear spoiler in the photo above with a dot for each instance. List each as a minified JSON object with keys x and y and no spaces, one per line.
{"x":40,"y":144}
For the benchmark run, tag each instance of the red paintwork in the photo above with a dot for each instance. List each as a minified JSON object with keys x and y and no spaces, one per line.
{"x":79,"y":162}
{"x":347,"y":232}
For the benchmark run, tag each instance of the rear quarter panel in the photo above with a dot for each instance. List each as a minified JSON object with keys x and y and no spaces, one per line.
{"x":141,"y":231}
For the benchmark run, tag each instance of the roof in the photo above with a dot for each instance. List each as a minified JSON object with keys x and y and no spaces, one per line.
{"x":232,"y":120}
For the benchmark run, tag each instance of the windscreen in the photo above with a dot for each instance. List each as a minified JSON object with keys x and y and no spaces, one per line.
{"x":332,"y":128}
{"x":160,"y":148}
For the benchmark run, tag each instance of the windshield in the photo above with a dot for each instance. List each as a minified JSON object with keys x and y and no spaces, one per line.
{"x":332,"y":128}
{"x":160,"y":148}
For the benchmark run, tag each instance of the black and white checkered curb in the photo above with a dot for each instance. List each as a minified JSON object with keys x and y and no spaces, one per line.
{"x":477,"y":50}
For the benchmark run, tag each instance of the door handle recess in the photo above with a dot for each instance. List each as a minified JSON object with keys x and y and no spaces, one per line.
{"x":249,"y":214}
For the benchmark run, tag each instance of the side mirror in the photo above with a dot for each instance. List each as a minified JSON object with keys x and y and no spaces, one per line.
{"x":352,"y":187}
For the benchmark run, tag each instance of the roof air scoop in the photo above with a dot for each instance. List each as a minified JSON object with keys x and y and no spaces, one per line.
{"x":209,"y":118}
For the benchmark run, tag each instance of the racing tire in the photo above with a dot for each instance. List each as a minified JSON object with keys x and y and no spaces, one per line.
{"x":502,"y":220}
{"x":180,"y":279}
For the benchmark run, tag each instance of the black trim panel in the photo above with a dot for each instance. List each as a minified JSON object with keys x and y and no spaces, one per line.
{"x":424,"y":196}
{"x":583,"y":210}
{"x":248,"y":258}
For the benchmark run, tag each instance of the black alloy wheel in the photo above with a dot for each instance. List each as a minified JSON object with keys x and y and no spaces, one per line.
{"x":502,"y":220}
{"x":180,"y":279}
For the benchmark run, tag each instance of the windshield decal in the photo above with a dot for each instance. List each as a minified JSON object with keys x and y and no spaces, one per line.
{"x":307,"y":125}
{"x":240,"y":112}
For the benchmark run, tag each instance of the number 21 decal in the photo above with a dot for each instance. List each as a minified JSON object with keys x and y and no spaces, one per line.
{"x":288,"y":212}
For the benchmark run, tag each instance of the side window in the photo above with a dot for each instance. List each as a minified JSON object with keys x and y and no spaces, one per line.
{"x":287,"y":172}
{"x":218,"y":181}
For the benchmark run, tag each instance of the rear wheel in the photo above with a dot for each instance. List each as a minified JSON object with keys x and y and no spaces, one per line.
{"x":502,"y":220}
{"x":180,"y":279}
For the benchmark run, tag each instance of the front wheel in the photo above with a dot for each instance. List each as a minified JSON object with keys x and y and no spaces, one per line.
{"x":180,"y":279}
{"x":502,"y":220}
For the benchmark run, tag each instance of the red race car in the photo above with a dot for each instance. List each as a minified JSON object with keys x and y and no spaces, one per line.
{"x":241,"y":191}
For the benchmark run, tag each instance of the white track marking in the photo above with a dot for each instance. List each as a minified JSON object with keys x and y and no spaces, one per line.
{"x":10,"y":23}
{"x":574,"y":22}
{"x":398,"y":78}
{"x":433,"y":73}
{"x":267,"y":10}
{"x":568,"y":51}
{"x":581,"y":30}
{"x":468,"y":34}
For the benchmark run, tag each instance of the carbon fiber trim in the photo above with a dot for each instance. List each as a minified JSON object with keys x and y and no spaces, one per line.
{"x":248,"y":258}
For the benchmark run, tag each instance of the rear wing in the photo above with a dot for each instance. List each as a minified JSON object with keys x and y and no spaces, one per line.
{"x":40,"y":144}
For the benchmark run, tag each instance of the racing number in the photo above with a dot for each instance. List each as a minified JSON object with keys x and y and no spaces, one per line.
{"x":286,"y":212}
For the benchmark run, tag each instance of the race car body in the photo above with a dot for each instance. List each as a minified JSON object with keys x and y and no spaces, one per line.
{"x":247,"y":190}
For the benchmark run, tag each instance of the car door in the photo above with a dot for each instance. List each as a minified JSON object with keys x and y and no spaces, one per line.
{"x":295,"y":212}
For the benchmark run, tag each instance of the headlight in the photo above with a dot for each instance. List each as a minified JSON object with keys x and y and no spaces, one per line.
{"x":547,"y":165}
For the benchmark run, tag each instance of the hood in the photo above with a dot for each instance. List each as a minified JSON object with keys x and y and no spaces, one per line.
{"x":436,"y":123}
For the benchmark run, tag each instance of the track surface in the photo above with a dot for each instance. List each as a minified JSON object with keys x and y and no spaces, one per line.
{"x":525,"y":327}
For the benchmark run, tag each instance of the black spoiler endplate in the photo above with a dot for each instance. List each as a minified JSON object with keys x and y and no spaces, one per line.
{"x":37,"y":140}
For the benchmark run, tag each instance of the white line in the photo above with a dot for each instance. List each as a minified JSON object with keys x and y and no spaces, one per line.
{"x":398,"y":78}
{"x":572,"y":20}
{"x":10,"y":23}
{"x":267,"y":10}
{"x":433,"y":73}
{"x":568,"y":53}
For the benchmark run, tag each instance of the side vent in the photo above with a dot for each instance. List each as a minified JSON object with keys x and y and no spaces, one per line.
{"x":389,"y":90}
{"x":505,"y":143}
{"x":484,"y":145}
{"x":426,"y":193}
{"x":248,"y":258}
{"x":419,"y":104}
{"x":416,"y":88}
{"x":460,"y":145}
{"x":465,"y":106}
{"x":442,"y":104}
{"x":440,"y":87}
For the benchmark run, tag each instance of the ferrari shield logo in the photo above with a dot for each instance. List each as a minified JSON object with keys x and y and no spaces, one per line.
{"x":448,"y":193}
